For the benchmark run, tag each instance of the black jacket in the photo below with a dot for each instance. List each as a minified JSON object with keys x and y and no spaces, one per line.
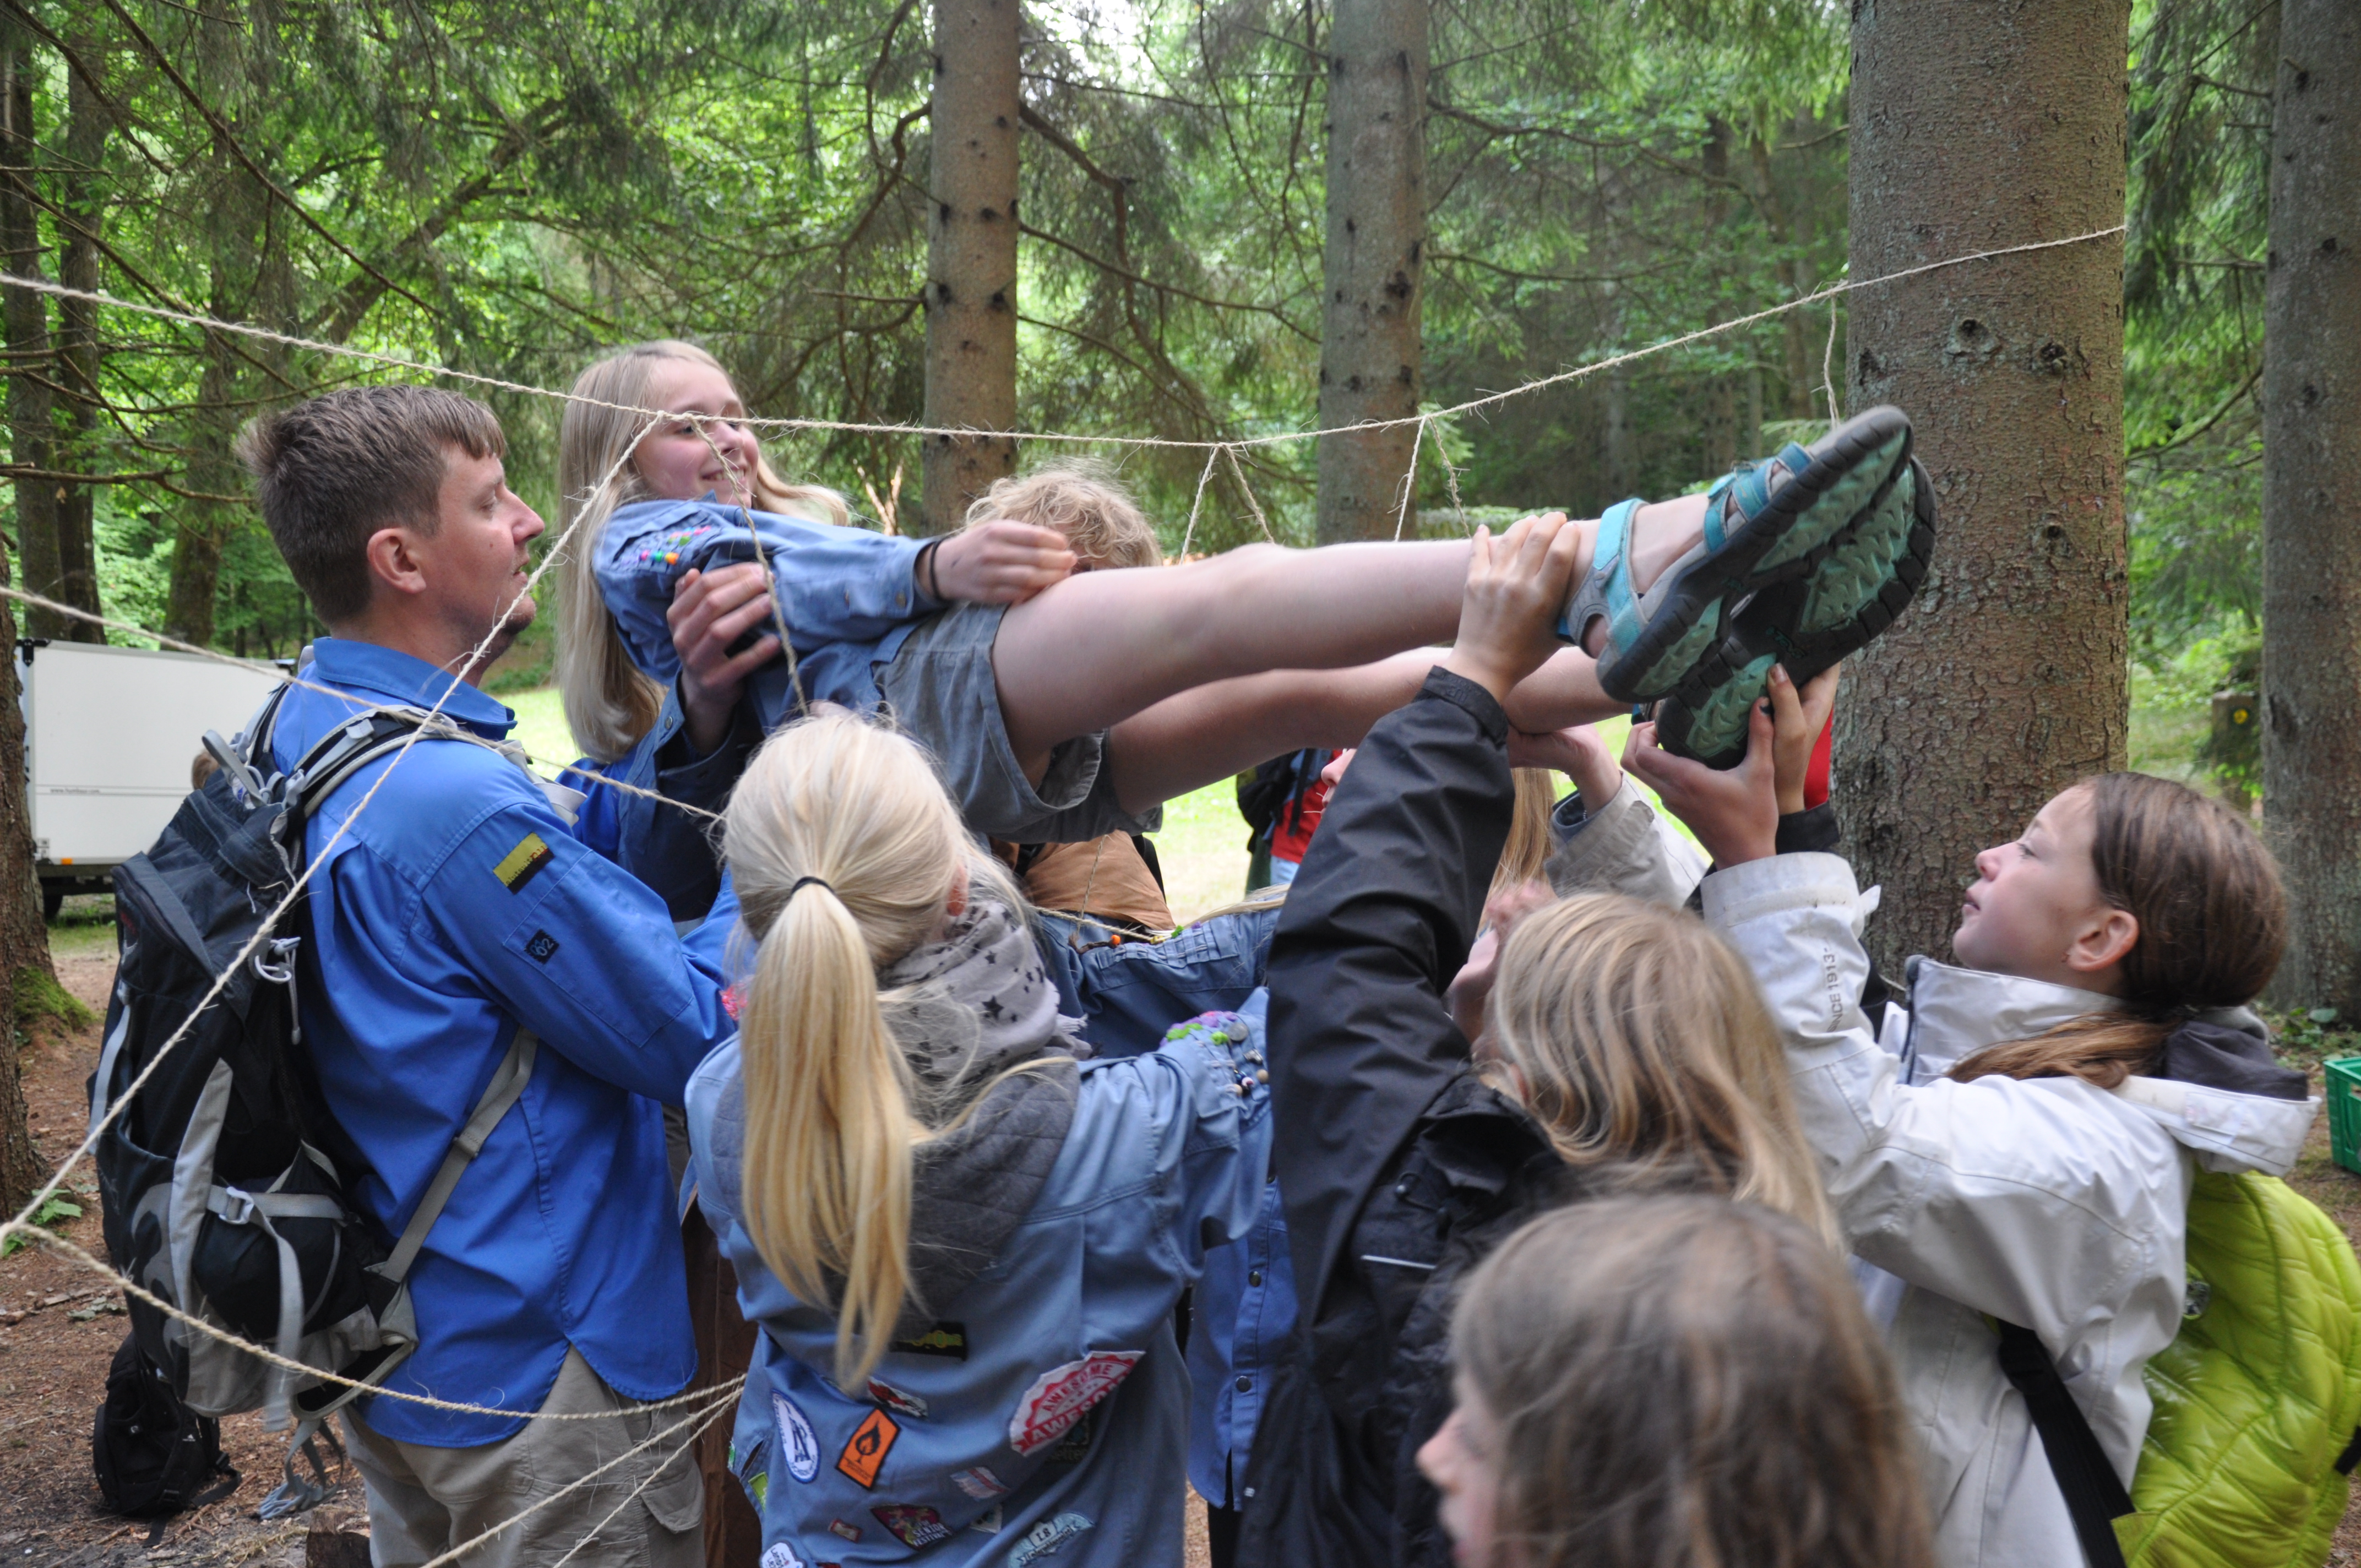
{"x":1400,"y":1168}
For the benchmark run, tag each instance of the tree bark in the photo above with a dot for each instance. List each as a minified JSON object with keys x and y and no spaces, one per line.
{"x":1979,"y":125}
{"x":2311,"y":534}
{"x":78,"y":352}
{"x":32,"y":434}
{"x":24,"y":936}
{"x":970,"y":257}
{"x":1372,"y":268}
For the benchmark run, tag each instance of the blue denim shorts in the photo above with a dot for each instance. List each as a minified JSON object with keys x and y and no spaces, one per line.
{"x":940,"y":689}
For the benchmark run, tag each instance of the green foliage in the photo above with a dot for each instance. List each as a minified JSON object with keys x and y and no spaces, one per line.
{"x":54,"y":1208}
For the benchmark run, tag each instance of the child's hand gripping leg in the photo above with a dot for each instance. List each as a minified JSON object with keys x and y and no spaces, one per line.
{"x":1735,"y":814}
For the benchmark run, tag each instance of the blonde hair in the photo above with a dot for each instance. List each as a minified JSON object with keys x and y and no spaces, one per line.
{"x":610,"y":704}
{"x":1530,"y":838}
{"x":1638,"y":1041}
{"x":1082,"y":501}
{"x":1681,"y":1382}
{"x":844,"y":850}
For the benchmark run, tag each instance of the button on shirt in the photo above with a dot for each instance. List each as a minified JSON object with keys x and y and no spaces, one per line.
{"x":457,"y":905}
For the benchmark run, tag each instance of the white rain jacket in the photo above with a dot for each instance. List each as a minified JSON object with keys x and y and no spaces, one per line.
{"x":2048,"y":1202}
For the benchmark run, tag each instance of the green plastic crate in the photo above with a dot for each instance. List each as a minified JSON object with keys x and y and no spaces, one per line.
{"x":2344,"y":1111}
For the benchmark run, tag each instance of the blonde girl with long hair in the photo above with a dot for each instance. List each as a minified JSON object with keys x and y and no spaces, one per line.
{"x":963,"y":1245}
{"x":1061,"y":705}
{"x":1626,"y":1052}
{"x":2013,"y":1144}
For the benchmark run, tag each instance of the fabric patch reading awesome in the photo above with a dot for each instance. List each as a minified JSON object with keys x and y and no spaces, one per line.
{"x":1059,"y":1397}
{"x":865,"y":1454}
{"x":523,"y":863}
{"x":798,"y":1444}
{"x":912,"y":1526}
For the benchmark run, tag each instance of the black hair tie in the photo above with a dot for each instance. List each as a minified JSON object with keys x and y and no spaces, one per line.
{"x":803,"y":883}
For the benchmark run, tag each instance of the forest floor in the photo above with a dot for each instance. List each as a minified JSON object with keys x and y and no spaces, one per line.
{"x":60,"y":1324}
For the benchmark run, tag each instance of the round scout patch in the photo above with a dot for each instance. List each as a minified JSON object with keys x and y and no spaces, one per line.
{"x":1059,"y":1397}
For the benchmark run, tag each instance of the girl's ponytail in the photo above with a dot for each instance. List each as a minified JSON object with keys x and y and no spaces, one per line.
{"x":2213,"y":925}
{"x":845,"y":852}
{"x":827,"y":1184}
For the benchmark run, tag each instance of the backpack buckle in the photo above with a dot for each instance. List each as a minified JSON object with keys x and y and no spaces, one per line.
{"x":236,"y":1206}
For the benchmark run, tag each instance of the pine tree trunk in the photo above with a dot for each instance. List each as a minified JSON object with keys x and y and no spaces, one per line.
{"x":1373,"y":265}
{"x":2005,"y":680}
{"x":78,"y":354}
{"x":2311,"y":474}
{"x":970,"y":257}
{"x":24,"y":937}
{"x":32,"y":435}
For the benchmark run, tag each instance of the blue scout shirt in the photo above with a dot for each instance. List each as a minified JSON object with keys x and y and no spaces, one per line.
{"x":1041,"y":1418}
{"x":457,"y":905}
{"x":850,"y":596}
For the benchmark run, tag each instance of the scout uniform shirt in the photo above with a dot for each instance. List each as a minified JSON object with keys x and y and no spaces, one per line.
{"x":455,"y":907}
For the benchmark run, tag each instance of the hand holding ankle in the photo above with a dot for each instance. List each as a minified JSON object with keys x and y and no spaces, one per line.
{"x":1515,"y":587}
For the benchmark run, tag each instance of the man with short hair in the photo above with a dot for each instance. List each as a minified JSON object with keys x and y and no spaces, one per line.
{"x":451,"y":908}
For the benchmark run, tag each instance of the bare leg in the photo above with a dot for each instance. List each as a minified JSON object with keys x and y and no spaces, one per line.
{"x":1099,"y":647}
{"x":1210,"y":732}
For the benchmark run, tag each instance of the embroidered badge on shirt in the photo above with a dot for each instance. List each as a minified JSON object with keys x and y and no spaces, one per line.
{"x":797,"y":1442}
{"x":980,"y":1483}
{"x":1059,"y":1396}
{"x":759,"y":1484}
{"x":842,"y":1530}
{"x":542,"y":949}
{"x":1044,"y":1538}
{"x":911,"y":1525}
{"x":1075,"y":1446}
{"x":987,"y":1522}
{"x":896,"y":1400}
{"x":865,"y":1454}
{"x":523,"y":863}
{"x":945,"y":1339}
{"x":779,"y":1554}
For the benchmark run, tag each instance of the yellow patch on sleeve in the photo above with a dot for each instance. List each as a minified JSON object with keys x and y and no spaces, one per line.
{"x":523,"y":863}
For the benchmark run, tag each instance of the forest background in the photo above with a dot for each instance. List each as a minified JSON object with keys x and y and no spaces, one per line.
{"x":508,"y":190}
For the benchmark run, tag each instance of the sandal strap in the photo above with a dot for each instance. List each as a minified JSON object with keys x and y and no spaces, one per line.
{"x":1748,"y":487}
{"x":1612,"y":554}
{"x":1606,"y":589}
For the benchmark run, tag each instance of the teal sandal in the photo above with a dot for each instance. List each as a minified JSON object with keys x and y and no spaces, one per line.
{"x":1854,"y":590}
{"x":1765,"y":524}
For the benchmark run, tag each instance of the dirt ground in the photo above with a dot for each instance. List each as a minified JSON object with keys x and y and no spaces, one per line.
{"x":59,"y":1325}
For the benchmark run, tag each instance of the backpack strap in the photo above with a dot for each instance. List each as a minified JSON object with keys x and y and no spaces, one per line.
{"x":296,"y":1492}
{"x":2095,"y":1494}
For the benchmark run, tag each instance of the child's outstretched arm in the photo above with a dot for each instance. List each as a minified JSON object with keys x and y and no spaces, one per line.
{"x":1383,"y":913}
{"x":834,"y":584}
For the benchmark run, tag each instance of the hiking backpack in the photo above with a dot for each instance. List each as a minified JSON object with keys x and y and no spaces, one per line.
{"x":223,"y":1179}
{"x":2249,"y":1455}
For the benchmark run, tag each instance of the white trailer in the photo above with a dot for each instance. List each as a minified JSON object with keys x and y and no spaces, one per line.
{"x":110,"y":735}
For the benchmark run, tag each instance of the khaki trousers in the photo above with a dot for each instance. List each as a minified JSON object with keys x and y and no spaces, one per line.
{"x":424,"y":1502}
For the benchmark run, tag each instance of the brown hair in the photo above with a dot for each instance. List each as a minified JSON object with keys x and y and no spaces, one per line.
{"x":1082,"y":501}
{"x":1682,"y":1382}
{"x":2213,"y":925}
{"x":333,"y":469}
{"x":1638,"y":1041}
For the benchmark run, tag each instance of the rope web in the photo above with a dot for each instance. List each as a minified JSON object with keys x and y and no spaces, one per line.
{"x":714,"y":1403}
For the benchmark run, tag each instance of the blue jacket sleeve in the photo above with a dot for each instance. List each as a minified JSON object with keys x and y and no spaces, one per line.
{"x":578,"y":949}
{"x":834,"y":585}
